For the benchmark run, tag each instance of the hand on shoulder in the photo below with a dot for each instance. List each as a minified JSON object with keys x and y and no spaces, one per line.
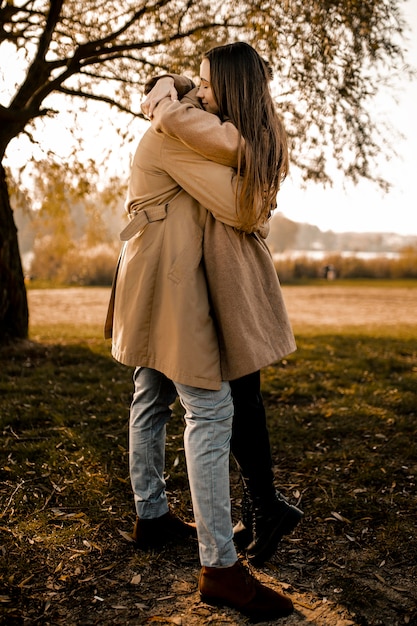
{"x":164,"y":87}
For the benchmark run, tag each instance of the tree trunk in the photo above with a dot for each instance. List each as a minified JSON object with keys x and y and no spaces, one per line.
{"x":14,"y":315}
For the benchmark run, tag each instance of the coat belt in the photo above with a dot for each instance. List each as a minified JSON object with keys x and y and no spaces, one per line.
{"x":142,"y":218}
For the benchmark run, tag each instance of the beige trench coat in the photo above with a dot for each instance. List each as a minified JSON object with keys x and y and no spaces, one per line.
{"x":161,"y":316}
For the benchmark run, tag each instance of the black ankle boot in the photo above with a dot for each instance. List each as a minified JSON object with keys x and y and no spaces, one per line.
{"x":271,"y":523}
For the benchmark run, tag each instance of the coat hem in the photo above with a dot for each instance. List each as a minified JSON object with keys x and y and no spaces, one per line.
{"x":199,"y":382}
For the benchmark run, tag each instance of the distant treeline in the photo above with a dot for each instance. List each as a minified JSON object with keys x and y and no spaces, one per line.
{"x":69,"y":226}
{"x":94,"y":266}
{"x":334,"y":266}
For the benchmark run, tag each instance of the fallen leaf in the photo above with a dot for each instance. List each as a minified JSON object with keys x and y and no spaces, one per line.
{"x":87,"y":580}
{"x":68,"y":516}
{"x":339,"y":517}
{"x":25,"y":581}
{"x":169,"y":620}
{"x":77,"y":554}
{"x":381,"y":580}
{"x":136,"y":579}
{"x":126,"y":536}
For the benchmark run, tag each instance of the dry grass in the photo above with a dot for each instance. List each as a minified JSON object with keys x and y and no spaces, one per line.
{"x":342,"y":418}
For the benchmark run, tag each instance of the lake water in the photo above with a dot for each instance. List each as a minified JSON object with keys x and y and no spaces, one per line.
{"x":318,"y":255}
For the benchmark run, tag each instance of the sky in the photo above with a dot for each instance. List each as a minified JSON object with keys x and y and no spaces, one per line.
{"x":364,"y":208}
{"x":360,"y":208}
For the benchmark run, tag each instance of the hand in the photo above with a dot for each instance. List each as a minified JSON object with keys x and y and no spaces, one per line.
{"x":164,"y":88}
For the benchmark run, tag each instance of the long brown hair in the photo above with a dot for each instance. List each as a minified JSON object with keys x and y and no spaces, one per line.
{"x":240,"y":79}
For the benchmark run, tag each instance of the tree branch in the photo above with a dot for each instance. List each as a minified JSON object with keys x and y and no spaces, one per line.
{"x":99,"y":98}
{"x":83,"y":50}
{"x":84,"y":55}
{"x":51,"y":22}
{"x":11,"y":116}
{"x":38,"y":70}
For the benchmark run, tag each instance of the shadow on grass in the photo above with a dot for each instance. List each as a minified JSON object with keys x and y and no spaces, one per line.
{"x":343,"y":428}
{"x":342,"y":421}
{"x":64,"y":468}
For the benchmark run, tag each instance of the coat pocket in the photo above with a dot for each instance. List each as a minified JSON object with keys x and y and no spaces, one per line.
{"x":188,"y":257}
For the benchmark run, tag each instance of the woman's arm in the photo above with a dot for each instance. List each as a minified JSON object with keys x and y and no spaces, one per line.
{"x":200,"y":131}
{"x":214,"y":144}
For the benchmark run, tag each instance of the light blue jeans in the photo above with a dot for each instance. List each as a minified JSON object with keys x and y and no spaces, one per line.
{"x":208,"y":428}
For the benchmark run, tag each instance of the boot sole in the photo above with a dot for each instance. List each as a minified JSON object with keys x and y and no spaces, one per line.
{"x":269,"y":545}
{"x":255,"y":616}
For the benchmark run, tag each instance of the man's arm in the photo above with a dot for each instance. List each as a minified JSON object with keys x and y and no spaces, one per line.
{"x":214,"y":186}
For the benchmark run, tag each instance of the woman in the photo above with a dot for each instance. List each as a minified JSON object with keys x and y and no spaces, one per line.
{"x":162,"y":324}
{"x":234,"y":287}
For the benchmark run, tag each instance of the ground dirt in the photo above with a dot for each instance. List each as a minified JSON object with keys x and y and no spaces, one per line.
{"x":329,"y":307}
{"x":167,"y":587}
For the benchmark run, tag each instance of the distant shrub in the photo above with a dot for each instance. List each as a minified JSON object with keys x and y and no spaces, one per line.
{"x":74,"y":264}
{"x":92,"y":266}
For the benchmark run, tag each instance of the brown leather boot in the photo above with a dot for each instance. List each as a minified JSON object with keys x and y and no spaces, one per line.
{"x":153,"y":534}
{"x":236,"y":587}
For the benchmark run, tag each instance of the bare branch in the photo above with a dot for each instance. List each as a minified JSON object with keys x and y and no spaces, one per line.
{"x":100,"y":98}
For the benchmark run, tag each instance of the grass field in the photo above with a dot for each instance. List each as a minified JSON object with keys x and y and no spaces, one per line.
{"x":342,"y":419}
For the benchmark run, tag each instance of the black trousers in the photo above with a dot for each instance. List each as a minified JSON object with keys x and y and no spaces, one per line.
{"x":250,"y":438}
